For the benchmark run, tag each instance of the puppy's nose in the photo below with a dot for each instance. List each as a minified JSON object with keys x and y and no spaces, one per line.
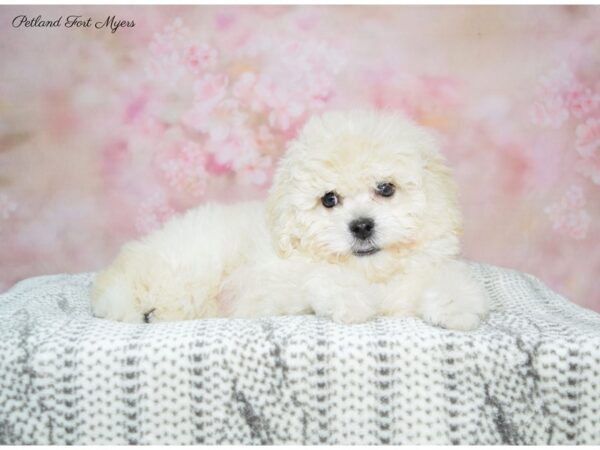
{"x":362,"y":228}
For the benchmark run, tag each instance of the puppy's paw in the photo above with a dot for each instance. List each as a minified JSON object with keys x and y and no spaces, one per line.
{"x":353,"y":311}
{"x":441,"y":310}
{"x":454,"y":300}
{"x":343,"y":300}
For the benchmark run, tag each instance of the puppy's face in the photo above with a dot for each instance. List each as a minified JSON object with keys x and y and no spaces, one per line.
{"x":363,"y":188}
{"x":355,"y":199}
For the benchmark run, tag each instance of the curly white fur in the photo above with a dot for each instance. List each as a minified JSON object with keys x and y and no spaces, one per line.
{"x":294,"y":256}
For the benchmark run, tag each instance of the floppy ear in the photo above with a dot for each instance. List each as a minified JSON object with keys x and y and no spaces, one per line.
{"x":280,"y":214}
{"x":444,"y":219}
{"x":281,"y":209}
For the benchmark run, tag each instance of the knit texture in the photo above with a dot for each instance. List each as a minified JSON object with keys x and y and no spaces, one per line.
{"x":529,"y":375}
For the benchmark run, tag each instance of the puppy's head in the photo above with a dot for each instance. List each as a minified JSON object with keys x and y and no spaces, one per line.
{"x":363,"y":188}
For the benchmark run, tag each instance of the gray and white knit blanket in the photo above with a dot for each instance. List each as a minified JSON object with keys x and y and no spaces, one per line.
{"x":530,"y":375}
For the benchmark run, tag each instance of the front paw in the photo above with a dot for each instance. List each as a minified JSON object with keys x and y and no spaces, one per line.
{"x":114,"y":298}
{"x":453,"y":310}
{"x":343,"y":304}
{"x":353,"y":311}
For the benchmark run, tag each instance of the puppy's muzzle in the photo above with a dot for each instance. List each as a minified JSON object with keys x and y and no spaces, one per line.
{"x":362,"y":228}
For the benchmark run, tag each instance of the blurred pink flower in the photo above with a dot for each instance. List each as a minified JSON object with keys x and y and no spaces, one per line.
{"x":182,"y":166}
{"x":174,"y":51}
{"x":210,"y":89}
{"x":300,"y":79}
{"x":199,"y":58}
{"x":573,"y":197}
{"x":216,"y":166}
{"x":153,"y":211}
{"x":266,"y":141}
{"x":587,"y":145}
{"x":590,"y":168}
{"x":227,"y":153}
{"x":588,"y":137}
{"x":226,"y":117}
{"x":296,"y":77}
{"x":256,"y":170}
{"x":549,"y":107}
{"x":239,"y":153}
{"x":166,"y":62}
{"x":172,"y":36}
{"x":151,"y":127}
{"x":568,"y":216}
{"x":581,"y":101}
{"x":244,"y":91}
{"x":264,"y":92}
{"x":284,"y":113}
{"x":209,"y":93}
{"x":549,"y":111}
{"x":559,"y":95}
{"x":561,"y":79}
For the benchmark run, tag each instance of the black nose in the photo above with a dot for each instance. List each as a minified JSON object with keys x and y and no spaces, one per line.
{"x":362,"y":228}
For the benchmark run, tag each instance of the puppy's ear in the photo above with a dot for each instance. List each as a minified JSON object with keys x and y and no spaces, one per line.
{"x":280,"y":215}
{"x":444,"y":218}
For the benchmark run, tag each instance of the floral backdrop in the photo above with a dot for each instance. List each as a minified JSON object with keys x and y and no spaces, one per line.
{"x":104,"y":135}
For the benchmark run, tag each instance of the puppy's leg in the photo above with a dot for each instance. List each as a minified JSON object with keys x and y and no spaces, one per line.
{"x":297,"y":287}
{"x":175,"y":273}
{"x":344,"y":296}
{"x":453,"y":299}
{"x":444,"y":295}
{"x":141,"y":286}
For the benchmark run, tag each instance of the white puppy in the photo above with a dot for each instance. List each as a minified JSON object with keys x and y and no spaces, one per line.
{"x":361,"y":220}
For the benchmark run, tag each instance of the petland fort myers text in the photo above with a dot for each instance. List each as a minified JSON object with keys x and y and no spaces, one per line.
{"x":73,"y":21}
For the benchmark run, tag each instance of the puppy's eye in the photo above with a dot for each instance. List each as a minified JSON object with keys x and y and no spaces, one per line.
{"x":385,"y":189}
{"x":330,"y":199}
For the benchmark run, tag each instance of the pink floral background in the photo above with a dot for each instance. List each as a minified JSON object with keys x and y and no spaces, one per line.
{"x":105,"y":135}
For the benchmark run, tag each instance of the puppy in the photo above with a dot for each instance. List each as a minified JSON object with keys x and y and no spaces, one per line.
{"x":361,"y":220}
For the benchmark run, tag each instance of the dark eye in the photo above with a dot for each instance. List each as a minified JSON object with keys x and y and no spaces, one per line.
{"x":386,"y":189}
{"x":329,"y":200}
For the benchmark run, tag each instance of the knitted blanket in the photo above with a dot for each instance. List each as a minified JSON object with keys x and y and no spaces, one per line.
{"x":529,"y":375}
